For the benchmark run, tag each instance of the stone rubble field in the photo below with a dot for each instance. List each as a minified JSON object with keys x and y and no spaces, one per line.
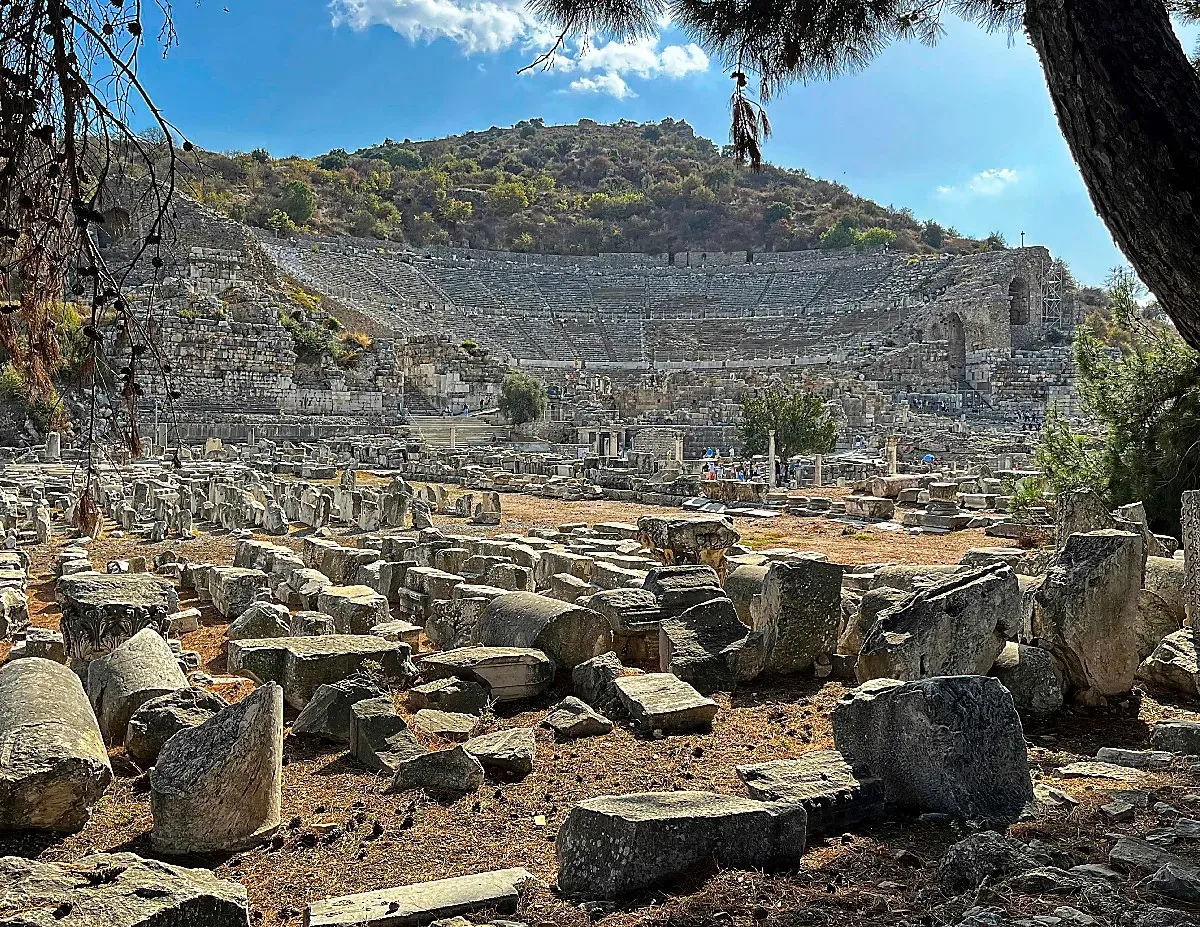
{"x":255,"y":699}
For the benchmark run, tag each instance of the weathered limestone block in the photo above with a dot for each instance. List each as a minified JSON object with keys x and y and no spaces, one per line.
{"x":259,"y":620}
{"x":303,"y":664}
{"x":54,"y":766}
{"x":505,"y":754}
{"x":952,"y":744}
{"x":704,"y":645}
{"x":616,"y":844}
{"x":823,"y":783}
{"x":422,"y":903}
{"x":799,"y":613}
{"x":1160,"y":603}
{"x":955,"y":627}
{"x":379,"y":737}
{"x":1174,"y":665}
{"x":452,"y":771}
{"x":694,"y":539}
{"x":40,"y":642}
{"x":509,"y":673}
{"x":573,"y":718}
{"x":101,"y":611}
{"x":328,"y":713}
{"x":908,"y":576}
{"x":463,"y":696}
{"x":234,"y":589}
{"x":678,"y":588}
{"x":568,"y":634}
{"x":117,"y":890}
{"x":1031,"y":675}
{"x":1176,"y":736}
{"x":218,"y":787}
{"x":594,"y":681}
{"x":1086,"y":612}
{"x":355,"y":609}
{"x":663,"y":702}
{"x":159,"y":719}
{"x":448,"y":725}
{"x":744,"y":582}
{"x":141,"y":669}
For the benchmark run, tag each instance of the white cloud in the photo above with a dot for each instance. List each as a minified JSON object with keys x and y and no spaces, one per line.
{"x":992,"y":182}
{"x":491,"y":26}
{"x":609,"y":83}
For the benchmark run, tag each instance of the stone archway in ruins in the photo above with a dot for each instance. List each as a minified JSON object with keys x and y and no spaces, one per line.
{"x":956,"y":348}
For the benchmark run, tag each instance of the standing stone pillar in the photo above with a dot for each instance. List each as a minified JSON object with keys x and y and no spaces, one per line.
{"x":453,"y":442}
{"x":1191,"y":553}
{"x":818,"y":461}
{"x":771,"y":459}
{"x":53,"y":446}
{"x":893,"y":442}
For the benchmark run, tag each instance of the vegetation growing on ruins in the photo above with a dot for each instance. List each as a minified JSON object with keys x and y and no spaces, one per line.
{"x":574,"y":189}
{"x":522,"y":397}
{"x":1144,"y":395}
{"x":801,"y":422}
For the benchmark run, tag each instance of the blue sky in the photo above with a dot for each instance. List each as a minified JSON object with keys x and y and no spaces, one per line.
{"x":963,"y":133}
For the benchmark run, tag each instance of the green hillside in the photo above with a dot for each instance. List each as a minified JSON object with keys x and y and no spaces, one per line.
{"x":574,"y":189}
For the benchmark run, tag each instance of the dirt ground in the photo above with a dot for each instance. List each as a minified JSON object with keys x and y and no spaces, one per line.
{"x":345,"y":832}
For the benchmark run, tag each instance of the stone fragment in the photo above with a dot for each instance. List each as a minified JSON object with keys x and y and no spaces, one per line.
{"x":303,"y":664}
{"x":951,"y":744}
{"x":40,"y":642}
{"x":218,"y":787}
{"x":985,"y":856}
{"x":54,"y":766}
{"x":616,"y":844}
{"x":510,"y":673}
{"x":594,"y":681}
{"x":419,"y":904}
{"x":446,"y":724}
{"x":703,"y":646}
{"x":140,"y":669}
{"x":1176,"y":736}
{"x":452,"y":771}
{"x":822,"y":782}
{"x":696,"y":539}
{"x":463,"y":696}
{"x":354,"y":609}
{"x":101,"y":611}
{"x":1085,"y":612}
{"x":328,"y":712}
{"x":261,"y":620}
{"x":1139,"y":856}
{"x":573,"y":718}
{"x":568,"y":634}
{"x":799,"y":613}
{"x":1135,"y":759}
{"x":954,"y":627}
{"x":117,"y":890}
{"x":1174,"y":665}
{"x":1097,"y":770}
{"x":1031,"y":675}
{"x":506,"y":754}
{"x":379,"y":737}
{"x":663,"y":702}
{"x":159,"y":719}
{"x":234,"y":589}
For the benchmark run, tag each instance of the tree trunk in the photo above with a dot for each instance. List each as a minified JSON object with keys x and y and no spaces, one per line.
{"x":1128,"y":102}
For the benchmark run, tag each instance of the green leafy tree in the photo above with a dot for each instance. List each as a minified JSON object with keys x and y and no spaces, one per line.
{"x":522,"y":397}
{"x":876,"y":236}
{"x":801,"y":422}
{"x":507,"y":197}
{"x":776,"y":211}
{"x":298,"y":201}
{"x":933,"y":234}
{"x":995,"y":242}
{"x":842,"y":234}
{"x":1144,"y":402}
{"x":457,"y":210}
